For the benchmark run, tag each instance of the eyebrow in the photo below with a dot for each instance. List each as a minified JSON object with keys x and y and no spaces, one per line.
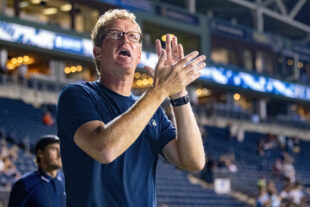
{"x":123,"y":31}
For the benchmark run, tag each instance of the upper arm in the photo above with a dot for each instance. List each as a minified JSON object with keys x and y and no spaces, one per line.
{"x":78,"y":118}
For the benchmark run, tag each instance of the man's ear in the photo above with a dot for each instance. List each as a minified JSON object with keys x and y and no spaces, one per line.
{"x":40,"y":154}
{"x":97,"y":53}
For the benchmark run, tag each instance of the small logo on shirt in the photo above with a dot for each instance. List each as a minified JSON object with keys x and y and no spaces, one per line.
{"x":153,"y":122}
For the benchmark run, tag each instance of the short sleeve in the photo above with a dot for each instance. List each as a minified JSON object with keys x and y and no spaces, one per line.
{"x":167,"y":130}
{"x":75,"y":107}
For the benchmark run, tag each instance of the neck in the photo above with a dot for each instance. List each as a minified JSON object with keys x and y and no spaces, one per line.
{"x":50,"y":172}
{"x":121,"y":86}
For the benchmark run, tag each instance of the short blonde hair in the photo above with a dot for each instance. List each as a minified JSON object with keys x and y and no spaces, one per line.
{"x":104,"y":21}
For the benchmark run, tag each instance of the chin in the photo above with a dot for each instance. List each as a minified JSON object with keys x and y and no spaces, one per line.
{"x":128,"y":68}
{"x":56,"y":166}
{"x":126,"y":64}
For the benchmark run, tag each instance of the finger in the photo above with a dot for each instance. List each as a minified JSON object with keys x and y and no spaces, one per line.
{"x":196,"y":69}
{"x":187,"y":59}
{"x":162,"y":58}
{"x":195,"y":62}
{"x":181,"y":51}
{"x":168,"y":47}
{"x":149,"y":71}
{"x":175,"y":49}
{"x":193,"y":77}
{"x":194,"y":74}
{"x":158,"y":47}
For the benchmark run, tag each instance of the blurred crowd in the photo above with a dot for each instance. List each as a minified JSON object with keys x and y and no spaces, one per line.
{"x":292,"y":194}
{"x":8,"y":171}
{"x":279,"y":188}
{"x":272,"y":141}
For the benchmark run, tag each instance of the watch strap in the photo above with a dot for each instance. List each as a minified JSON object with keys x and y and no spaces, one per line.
{"x":180,"y":101}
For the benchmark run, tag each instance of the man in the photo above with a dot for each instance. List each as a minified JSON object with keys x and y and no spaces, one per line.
{"x":43,"y":187}
{"x":110,"y":139}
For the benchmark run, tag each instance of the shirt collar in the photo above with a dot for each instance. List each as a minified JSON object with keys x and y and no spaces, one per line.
{"x":45,"y":177}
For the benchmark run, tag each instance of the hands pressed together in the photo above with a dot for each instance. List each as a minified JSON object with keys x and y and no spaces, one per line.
{"x":174,"y":71}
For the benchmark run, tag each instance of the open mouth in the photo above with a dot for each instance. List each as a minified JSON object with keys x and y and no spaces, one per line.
{"x":124,"y":53}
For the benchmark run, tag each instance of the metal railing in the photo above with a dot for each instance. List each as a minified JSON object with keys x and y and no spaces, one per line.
{"x":4,"y":196}
{"x":36,"y":90}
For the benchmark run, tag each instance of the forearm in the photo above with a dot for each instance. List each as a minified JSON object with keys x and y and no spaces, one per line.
{"x":189,"y":143}
{"x":108,"y":141}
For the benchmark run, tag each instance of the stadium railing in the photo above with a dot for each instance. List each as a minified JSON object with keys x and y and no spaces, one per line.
{"x":4,"y":196}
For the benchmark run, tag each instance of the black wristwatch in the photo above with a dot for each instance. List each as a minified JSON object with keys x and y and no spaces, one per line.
{"x":180,"y":101}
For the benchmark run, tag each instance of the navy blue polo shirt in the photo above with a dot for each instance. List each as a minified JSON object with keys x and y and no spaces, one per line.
{"x":127,"y":181}
{"x":37,"y":189}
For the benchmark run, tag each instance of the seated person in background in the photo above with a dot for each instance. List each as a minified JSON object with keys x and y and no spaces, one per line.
{"x":296,"y":193}
{"x":48,"y":119}
{"x":296,"y":148}
{"x":263,"y":198}
{"x":277,"y":168}
{"x":274,"y":198}
{"x":43,"y":187}
{"x":231,"y":166}
{"x":289,"y":171}
{"x":262,"y":182}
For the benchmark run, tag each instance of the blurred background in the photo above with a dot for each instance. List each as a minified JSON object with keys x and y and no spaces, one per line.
{"x":251,"y":101}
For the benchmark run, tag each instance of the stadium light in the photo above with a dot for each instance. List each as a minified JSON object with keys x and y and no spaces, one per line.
{"x":67,"y":70}
{"x":236,"y":96}
{"x":20,"y":60}
{"x":198,"y":92}
{"x":50,"y":11}
{"x":14,"y":61}
{"x":145,"y":82}
{"x":73,"y":69}
{"x":10,"y":66}
{"x":163,"y":38}
{"x":150,"y":80}
{"x":79,"y":68}
{"x":137,"y":75}
{"x":66,"y":7}
{"x":35,"y":1}
{"x":205,"y":92}
{"x":139,"y":82}
{"x":23,"y":4}
{"x":290,"y":62}
{"x":26,"y":58}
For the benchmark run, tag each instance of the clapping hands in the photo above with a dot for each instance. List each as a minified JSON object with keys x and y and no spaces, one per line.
{"x":174,"y":71}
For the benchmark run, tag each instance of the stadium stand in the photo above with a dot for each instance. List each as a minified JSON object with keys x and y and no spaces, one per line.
{"x":252,"y":166}
{"x":175,"y":190}
{"x":23,"y":121}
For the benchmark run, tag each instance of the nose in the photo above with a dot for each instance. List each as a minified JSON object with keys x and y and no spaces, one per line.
{"x":124,"y":38}
{"x":58,"y":152}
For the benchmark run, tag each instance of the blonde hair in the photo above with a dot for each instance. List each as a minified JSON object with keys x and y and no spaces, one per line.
{"x":102,"y":23}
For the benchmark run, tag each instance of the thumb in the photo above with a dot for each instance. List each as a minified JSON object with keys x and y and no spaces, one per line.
{"x":149,"y":70}
{"x":162,"y":58}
